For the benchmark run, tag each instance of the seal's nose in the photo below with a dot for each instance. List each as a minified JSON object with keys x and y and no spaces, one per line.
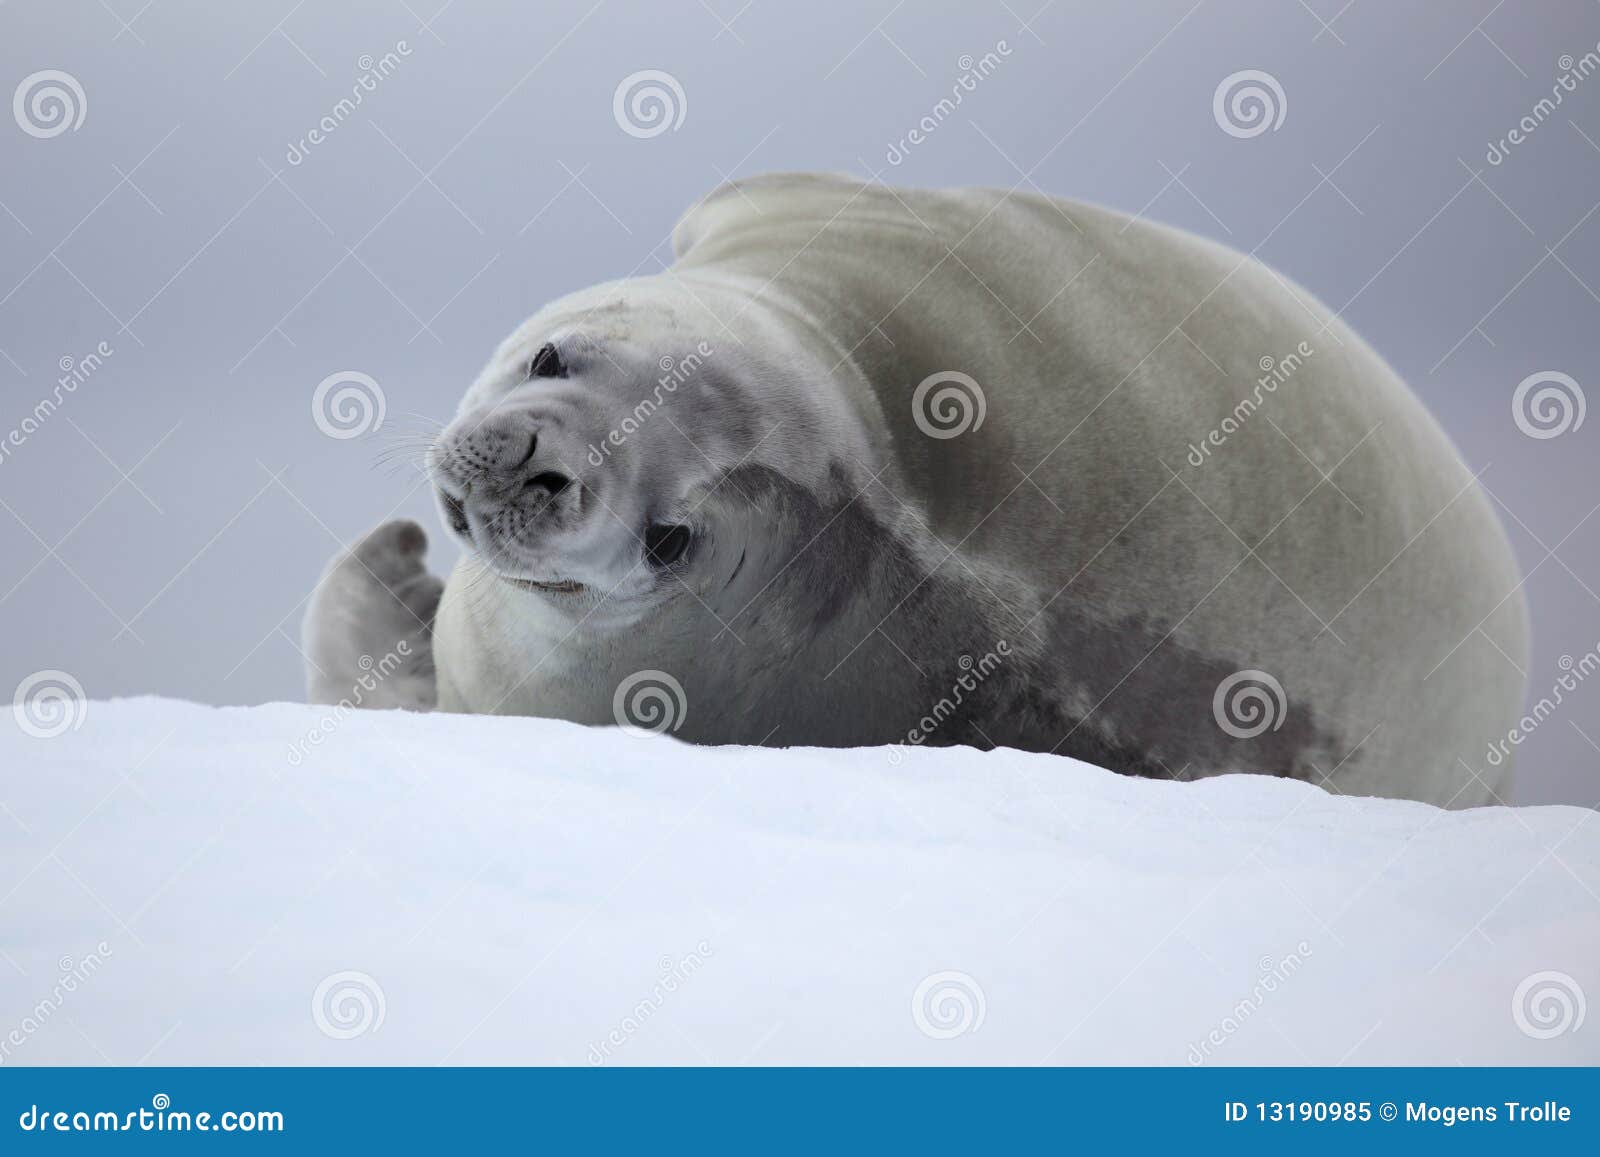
{"x":503,"y":462}
{"x":503,"y":453}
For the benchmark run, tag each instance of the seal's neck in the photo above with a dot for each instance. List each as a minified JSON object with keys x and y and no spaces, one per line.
{"x":846,"y":592}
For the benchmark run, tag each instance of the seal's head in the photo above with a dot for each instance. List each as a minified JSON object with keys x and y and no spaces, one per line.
{"x":593,"y":460}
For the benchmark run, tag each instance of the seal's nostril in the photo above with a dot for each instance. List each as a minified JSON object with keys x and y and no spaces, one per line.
{"x":533,"y":444}
{"x":549,"y":480}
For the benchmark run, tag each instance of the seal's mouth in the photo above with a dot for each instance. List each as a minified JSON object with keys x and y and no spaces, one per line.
{"x":559,"y":587}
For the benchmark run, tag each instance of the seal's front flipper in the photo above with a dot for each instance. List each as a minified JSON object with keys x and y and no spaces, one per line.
{"x":368,"y":631}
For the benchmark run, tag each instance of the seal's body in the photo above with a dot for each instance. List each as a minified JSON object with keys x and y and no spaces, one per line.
{"x":871,"y":466}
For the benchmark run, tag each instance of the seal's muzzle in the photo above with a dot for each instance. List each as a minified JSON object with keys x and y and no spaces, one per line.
{"x":504,"y":484}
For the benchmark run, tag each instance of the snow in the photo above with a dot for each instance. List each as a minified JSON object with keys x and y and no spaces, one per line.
{"x":434,"y":888}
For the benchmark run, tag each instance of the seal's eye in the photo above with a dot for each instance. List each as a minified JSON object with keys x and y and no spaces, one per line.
{"x":547,"y":363}
{"x":665,"y":543}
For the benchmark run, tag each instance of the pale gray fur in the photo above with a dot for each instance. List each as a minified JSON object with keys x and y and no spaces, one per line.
{"x":368,"y":631}
{"x":846,"y":566}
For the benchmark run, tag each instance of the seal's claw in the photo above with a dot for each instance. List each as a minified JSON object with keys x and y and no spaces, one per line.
{"x":368,"y":632}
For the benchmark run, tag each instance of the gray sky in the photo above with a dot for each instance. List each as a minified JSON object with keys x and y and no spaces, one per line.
{"x":162,"y":526}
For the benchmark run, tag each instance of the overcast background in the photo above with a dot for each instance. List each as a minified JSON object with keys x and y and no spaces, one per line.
{"x":161,"y":529}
